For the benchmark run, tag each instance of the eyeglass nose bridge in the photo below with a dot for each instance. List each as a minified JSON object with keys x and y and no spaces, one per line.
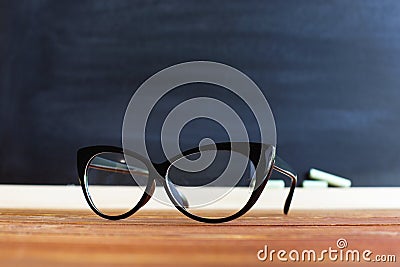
{"x":149,"y":194}
{"x":177,"y":195}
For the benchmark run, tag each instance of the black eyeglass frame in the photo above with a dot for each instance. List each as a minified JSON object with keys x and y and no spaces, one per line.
{"x":158,"y":171}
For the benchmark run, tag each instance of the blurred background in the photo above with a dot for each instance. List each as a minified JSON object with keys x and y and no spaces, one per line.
{"x":329,"y":69}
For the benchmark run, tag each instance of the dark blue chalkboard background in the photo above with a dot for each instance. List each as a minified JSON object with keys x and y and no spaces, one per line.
{"x":330,"y":70}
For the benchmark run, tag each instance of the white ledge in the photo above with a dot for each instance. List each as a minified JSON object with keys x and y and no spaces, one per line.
{"x":71,"y":197}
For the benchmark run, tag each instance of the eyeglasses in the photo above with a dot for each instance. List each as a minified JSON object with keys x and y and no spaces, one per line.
{"x":116,"y":183}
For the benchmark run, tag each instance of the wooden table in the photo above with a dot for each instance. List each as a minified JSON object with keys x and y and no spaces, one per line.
{"x":153,"y":238}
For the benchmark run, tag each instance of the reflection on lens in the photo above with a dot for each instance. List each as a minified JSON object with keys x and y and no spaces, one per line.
{"x":110,"y":184}
{"x":224,"y":186}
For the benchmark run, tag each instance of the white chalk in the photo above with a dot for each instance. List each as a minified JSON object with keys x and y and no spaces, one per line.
{"x":314,"y":184}
{"x":331,"y":179}
{"x":276,"y":184}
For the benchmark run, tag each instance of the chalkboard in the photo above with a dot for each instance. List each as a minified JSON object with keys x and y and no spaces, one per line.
{"x":329,"y":69}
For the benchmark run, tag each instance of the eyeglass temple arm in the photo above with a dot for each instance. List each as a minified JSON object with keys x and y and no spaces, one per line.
{"x":114,"y":166}
{"x":282,"y":167}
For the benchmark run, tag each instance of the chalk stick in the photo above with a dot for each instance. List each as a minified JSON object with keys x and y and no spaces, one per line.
{"x":315,"y":184}
{"x":332,"y":180}
{"x":275,"y":184}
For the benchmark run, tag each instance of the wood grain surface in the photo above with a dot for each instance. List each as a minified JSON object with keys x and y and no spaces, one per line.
{"x":154,"y":238}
